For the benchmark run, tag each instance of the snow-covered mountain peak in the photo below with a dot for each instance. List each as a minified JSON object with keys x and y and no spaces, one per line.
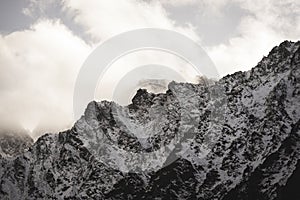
{"x":235,"y":138}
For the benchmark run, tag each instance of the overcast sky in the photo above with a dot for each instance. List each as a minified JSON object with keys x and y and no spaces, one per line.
{"x":44,"y":43}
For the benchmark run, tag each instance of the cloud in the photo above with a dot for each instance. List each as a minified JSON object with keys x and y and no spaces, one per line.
{"x":262,"y":25}
{"x":36,"y":7}
{"x":267,"y":24}
{"x":245,"y":51}
{"x":39,"y":66}
{"x":281,"y":15}
{"x":208,"y":7}
{"x":104,"y":19}
{"x":38,"y":70}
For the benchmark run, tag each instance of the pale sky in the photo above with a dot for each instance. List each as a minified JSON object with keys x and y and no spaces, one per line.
{"x":43,"y":44}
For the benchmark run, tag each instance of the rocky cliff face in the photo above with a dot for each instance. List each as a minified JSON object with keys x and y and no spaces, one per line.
{"x":13,"y":143}
{"x":237,"y":138}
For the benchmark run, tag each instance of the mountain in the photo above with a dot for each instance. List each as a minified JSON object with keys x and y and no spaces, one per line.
{"x":235,"y":138}
{"x":13,"y":143}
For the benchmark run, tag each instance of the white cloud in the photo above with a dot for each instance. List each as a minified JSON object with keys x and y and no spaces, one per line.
{"x":39,"y":66}
{"x":38,"y":71}
{"x":264,"y":25}
{"x":208,"y":7}
{"x":36,"y":6}
{"x":104,"y":19}
{"x":268,"y":24}
{"x":244,"y":52}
